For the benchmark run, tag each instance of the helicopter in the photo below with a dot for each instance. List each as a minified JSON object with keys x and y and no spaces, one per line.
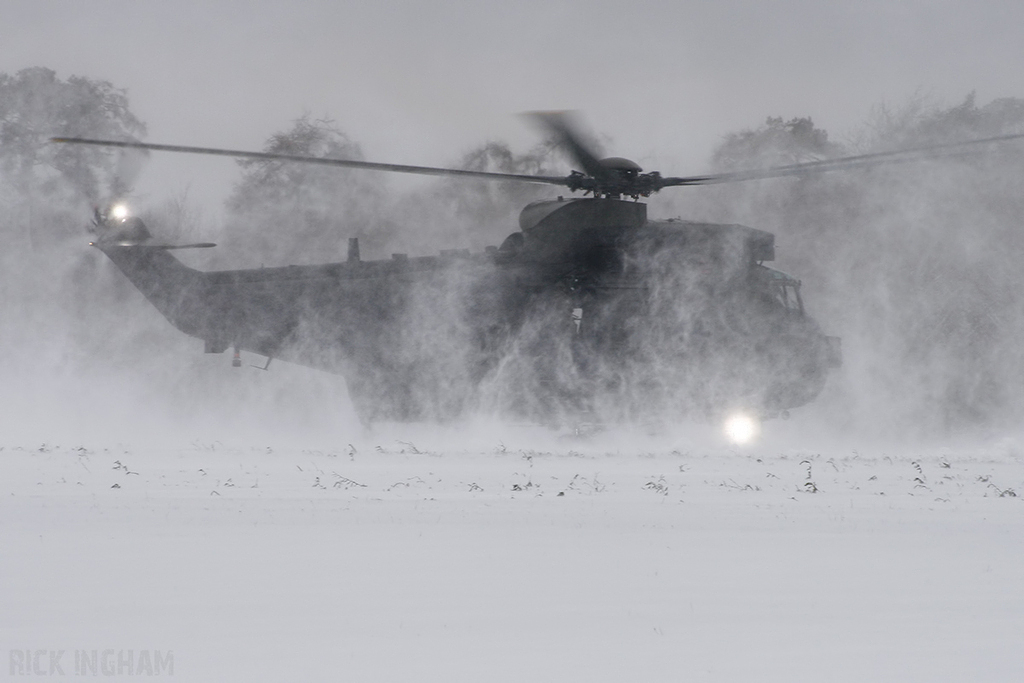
{"x":590,"y":312}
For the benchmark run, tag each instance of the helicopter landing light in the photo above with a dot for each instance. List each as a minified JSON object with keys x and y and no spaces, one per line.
{"x":741,"y":428}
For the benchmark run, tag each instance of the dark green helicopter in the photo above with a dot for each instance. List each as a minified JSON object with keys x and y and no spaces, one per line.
{"x":591,"y":312}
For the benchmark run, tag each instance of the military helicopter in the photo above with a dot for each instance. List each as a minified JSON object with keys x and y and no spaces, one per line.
{"x":590,"y":312}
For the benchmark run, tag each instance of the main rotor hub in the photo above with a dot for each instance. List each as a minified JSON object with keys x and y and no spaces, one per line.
{"x":621,"y":165}
{"x":619,"y":177}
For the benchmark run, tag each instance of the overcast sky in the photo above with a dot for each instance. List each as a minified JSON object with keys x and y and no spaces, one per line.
{"x":422,"y":82}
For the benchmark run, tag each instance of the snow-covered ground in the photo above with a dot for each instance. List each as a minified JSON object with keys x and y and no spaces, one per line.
{"x":403,"y":557}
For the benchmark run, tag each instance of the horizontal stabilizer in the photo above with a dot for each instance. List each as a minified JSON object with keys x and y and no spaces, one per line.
{"x":164,"y":247}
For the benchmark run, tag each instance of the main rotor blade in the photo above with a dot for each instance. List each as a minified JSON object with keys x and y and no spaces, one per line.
{"x":840,"y":164}
{"x":564,"y":127}
{"x":298,"y":158}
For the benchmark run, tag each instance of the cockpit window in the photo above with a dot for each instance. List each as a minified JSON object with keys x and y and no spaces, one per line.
{"x":784,"y":289}
{"x":789,"y":296}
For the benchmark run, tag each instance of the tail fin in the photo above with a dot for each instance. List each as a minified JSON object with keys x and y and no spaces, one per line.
{"x":177,"y":291}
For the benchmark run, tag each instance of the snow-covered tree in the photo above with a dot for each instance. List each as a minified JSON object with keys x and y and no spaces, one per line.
{"x":291,"y":212}
{"x":776,"y":143}
{"x":47,"y":188}
{"x":470,"y":213}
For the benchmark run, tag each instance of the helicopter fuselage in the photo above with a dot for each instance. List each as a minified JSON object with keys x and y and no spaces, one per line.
{"x":590,"y":310}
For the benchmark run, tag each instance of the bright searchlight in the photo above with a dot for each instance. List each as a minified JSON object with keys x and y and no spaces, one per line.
{"x":741,"y":428}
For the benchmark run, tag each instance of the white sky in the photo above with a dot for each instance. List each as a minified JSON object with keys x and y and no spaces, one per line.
{"x":422,"y":82}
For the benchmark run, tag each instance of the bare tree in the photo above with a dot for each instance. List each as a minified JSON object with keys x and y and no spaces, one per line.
{"x":49,"y":186}
{"x":288,"y":212}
